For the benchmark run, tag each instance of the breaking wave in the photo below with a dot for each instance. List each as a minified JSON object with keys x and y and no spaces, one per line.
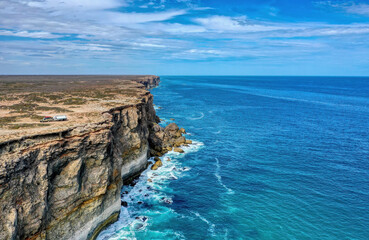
{"x":149,"y":199}
{"x":219,"y":178}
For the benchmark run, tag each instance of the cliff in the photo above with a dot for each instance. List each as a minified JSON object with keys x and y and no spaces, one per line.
{"x":65,"y":182}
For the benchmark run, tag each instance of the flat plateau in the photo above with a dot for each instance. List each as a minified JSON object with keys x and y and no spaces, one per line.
{"x":25,"y":100}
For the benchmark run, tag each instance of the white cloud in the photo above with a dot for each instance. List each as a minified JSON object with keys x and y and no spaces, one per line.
{"x":347,"y":6}
{"x":241,"y":27}
{"x":238,"y":24}
{"x":97,"y":31}
{"x":29,"y":34}
{"x":81,"y":5}
{"x":134,"y":18}
{"x":362,"y":9}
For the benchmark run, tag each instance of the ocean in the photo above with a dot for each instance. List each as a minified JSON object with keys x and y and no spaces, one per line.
{"x":272,"y":158}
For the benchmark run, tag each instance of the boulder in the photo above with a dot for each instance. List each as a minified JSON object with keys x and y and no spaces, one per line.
{"x":182,"y":130}
{"x":188,"y":141}
{"x":178,"y":150}
{"x":179,"y":141}
{"x":172,"y":127}
{"x":156,"y":128}
{"x":156,"y":165}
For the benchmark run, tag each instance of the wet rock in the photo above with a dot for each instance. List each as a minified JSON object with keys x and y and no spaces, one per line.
{"x":139,"y":202}
{"x":149,"y":180}
{"x":188,"y":141}
{"x":124,"y":203}
{"x":168,"y":159}
{"x":167,"y":200}
{"x":162,"y":140}
{"x":178,"y":150}
{"x":156,"y":165}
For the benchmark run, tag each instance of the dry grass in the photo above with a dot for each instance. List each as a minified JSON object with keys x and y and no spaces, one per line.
{"x":73,"y":101}
{"x":26,"y":125}
{"x":25,"y":100}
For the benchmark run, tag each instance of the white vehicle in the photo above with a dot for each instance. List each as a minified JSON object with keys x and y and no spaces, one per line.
{"x":60,"y":118}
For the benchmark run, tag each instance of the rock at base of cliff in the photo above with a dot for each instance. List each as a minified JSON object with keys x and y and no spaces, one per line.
{"x":188,"y":141}
{"x":157,"y":164}
{"x":178,"y":150}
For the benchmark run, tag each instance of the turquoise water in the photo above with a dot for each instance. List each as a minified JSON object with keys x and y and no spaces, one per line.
{"x":273,"y":158}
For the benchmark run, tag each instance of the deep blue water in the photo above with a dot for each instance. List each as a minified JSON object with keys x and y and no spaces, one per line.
{"x":273,"y":158}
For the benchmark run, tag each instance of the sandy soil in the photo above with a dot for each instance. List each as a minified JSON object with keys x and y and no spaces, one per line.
{"x":25,"y":100}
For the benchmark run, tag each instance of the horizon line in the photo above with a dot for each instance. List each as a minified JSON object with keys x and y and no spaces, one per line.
{"x":197,"y":75}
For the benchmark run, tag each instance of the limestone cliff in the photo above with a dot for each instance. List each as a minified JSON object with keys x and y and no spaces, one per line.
{"x":66,"y":184}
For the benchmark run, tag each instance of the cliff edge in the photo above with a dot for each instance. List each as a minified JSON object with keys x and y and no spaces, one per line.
{"x":62,"y":180}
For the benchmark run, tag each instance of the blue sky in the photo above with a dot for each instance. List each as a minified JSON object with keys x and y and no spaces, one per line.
{"x":185,"y":37}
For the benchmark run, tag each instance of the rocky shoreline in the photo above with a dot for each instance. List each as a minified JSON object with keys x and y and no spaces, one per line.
{"x":66,"y":184}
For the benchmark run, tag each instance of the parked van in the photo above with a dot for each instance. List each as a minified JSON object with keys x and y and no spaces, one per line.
{"x":47,"y":119}
{"x":60,"y":118}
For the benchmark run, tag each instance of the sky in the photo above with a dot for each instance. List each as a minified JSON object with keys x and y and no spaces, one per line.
{"x":185,"y":37}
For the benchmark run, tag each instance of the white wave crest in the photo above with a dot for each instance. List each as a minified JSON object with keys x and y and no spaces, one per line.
{"x":219,"y":178}
{"x":197,"y":118}
{"x":152,"y":188}
{"x":211,"y":225}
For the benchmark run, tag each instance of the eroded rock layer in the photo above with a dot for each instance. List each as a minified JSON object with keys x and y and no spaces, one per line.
{"x":66,"y":184}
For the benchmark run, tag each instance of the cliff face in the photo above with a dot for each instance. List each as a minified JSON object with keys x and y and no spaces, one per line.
{"x":149,"y":81}
{"x":66,"y":185}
